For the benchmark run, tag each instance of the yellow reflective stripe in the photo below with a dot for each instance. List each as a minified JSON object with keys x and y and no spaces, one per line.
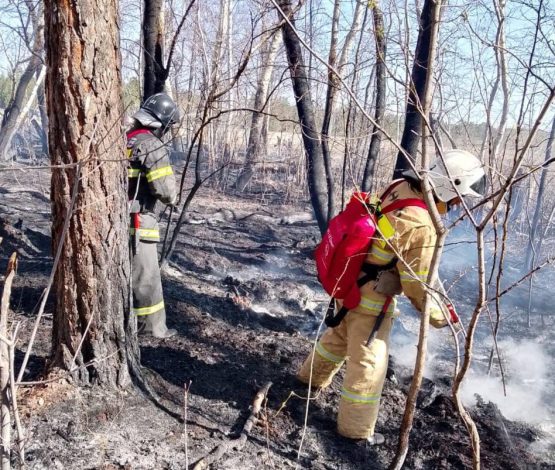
{"x":146,"y":232}
{"x":358,"y":398}
{"x":417,"y":277}
{"x":159,"y":173}
{"x":149,"y":310}
{"x":133,"y":172}
{"x":374,"y":306}
{"x":380,"y":253}
{"x":328,"y":356}
{"x":129,"y":152}
{"x":385,"y":229}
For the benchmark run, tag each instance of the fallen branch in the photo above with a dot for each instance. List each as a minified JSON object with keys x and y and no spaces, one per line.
{"x":240,"y":441}
{"x":13,"y":393}
{"x":186,"y":389}
{"x":5,"y":366}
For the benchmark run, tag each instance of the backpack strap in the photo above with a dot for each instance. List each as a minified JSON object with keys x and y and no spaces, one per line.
{"x":136,"y":132}
{"x":371,"y":273}
{"x":401,"y":203}
{"x":333,"y":319}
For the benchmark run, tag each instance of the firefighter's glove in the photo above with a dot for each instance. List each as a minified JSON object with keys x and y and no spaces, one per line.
{"x":452,"y":313}
{"x":455,"y":320}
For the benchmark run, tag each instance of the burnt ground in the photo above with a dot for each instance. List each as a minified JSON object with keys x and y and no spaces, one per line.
{"x":242,"y":295}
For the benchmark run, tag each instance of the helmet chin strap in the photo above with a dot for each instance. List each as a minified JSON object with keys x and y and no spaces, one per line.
{"x":161,"y":131}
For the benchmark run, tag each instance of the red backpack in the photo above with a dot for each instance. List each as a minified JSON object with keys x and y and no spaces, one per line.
{"x":345,"y":245}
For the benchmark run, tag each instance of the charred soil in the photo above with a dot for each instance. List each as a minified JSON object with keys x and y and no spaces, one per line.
{"x":241,"y":293}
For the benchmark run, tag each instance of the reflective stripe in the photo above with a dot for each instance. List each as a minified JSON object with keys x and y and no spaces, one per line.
{"x":149,"y":310}
{"x":380,"y":253}
{"x":146,"y":232}
{"x":159,"y":173}
{"x":419,"y":276}
{"x":356,"y":398}
{"x":133,"y":172}
{"x":328,"y":356}
{"x":374,"y":306}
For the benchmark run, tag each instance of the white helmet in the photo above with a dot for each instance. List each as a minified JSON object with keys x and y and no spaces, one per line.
{"x":466,"y":173}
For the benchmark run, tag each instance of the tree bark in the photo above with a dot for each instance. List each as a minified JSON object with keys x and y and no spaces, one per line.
{"x":154,"y":74}
{"x":92,"y":327}
{"x":256,"y":138}
{"x":379,"y":110}
{"x":413,"y":114}
{"x":316,"y":173}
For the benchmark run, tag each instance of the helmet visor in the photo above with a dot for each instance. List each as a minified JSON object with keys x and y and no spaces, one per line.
{"x":479,"y":186}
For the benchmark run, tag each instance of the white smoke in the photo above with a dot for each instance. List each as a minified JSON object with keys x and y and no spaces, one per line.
{"x":404,"y":342}
{"x":526,"y":367}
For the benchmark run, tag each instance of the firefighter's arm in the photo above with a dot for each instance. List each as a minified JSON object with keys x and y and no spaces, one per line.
{"x":159,"y":172}
{"x":416,"y":247}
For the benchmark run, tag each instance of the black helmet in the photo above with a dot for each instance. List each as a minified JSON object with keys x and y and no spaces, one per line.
{"x":160,"y":107}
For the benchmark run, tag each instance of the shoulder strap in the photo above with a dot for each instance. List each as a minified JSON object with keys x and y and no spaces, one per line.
{"x":136,"y":132}
{"x":401,"y":203}
{"x":134,"y":138}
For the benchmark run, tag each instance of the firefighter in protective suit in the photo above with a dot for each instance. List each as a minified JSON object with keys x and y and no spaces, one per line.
{"x":413,"y":240}
{"x":151,"y":179}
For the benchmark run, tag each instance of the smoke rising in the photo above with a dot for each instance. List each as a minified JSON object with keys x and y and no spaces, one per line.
{"x":529,"y":396}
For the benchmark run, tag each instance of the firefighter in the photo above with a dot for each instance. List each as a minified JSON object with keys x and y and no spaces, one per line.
{"x":404,"y":260}
{"x":151,"y":179}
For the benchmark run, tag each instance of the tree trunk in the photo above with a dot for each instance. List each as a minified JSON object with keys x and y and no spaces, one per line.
{"x":413,"y":119}
{"x":316,"y":174}
{"x":23,"y":111}
{"x":433,"y":14}
{"x":41,"y":99}
{"x":154,"y":75}
{"x":533,"y":244}
{"x":92,"y":327}
{"x":379,"y":111}
{"x":10,"y":121}
{"x":255,"y":144}
{"x":332,"y":86}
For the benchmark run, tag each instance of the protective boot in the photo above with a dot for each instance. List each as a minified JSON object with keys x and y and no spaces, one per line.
{"x":155,"y":325}
{"x":158,"y":325}
{"x":375,"y":439}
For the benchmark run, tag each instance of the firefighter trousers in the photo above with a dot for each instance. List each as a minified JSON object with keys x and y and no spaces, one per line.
{"x":148,"y":298}
{"x":365,"y":372}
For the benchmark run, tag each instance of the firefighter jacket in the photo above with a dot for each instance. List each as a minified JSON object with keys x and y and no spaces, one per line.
{"x":412,"y":243}
{"x":151,"y":179}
